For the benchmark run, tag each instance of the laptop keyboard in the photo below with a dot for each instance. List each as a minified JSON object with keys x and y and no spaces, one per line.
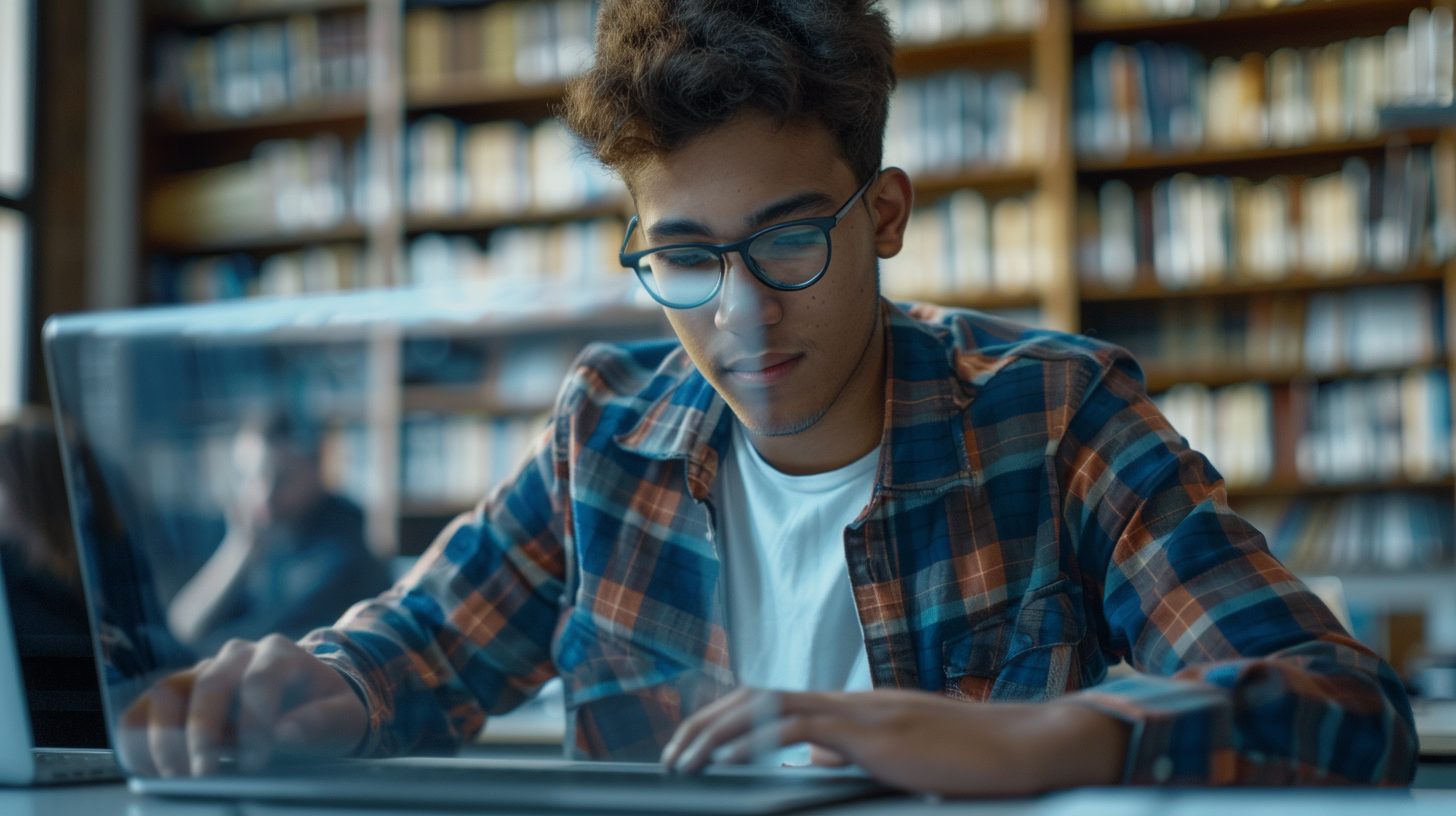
{"x":53,"y":766}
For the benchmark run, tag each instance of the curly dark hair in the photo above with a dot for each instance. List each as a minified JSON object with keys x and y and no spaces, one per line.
{"x":667,"y":71}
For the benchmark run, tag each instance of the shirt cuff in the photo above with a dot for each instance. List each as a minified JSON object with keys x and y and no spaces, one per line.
{"x":1182,"y":730}
{"x":326,"y":645}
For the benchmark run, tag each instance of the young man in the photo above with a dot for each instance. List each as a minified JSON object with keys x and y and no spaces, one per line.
{"x":723,"y":544}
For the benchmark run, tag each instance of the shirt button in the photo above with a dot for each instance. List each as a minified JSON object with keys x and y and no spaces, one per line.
{"x":1162,"y":769}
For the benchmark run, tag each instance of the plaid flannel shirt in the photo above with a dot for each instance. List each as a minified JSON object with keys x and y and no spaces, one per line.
{"x":1034,"y":519}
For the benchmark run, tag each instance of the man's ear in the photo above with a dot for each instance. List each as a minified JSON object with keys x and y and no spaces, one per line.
{"x":890,"y":198}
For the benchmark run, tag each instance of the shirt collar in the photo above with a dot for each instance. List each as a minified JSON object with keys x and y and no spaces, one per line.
{"x":690,"y":421}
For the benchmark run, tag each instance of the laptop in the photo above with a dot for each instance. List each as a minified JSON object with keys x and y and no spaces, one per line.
{"x":150,"y":405}
{"x":51,"y":726}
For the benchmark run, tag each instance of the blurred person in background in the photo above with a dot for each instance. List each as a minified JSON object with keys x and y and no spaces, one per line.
{"x":293,"y":557}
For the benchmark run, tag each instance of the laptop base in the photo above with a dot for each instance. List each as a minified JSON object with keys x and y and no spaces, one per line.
{"x":554,"y":785}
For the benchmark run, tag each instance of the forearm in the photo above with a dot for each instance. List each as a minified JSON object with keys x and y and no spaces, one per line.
{"x":1321,"y":713}
{"x":195,"y":609}
{"x":1074,"y":746}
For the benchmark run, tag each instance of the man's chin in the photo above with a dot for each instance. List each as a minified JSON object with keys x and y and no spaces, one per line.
{"x":762,"y":424}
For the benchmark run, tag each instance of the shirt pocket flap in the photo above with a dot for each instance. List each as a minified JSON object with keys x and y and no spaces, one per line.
{"x":1027,"y":653}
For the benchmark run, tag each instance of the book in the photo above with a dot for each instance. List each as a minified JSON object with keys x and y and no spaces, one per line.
{"x":1188,"y":230}
{"x":960,"y":120}
{"x":582,"y":250}
{"x":1166,"y":98}
{"x":247,"y":69}
{"x":964,"y":245}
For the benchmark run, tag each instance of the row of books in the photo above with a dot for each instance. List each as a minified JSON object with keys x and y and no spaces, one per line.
{"x":573,"y":251}
{"x":1192,"y":230}
{"x":498,"y":44}
{"x":255,"y":68}
{"x":457,"y":459}
{"x":1131,"y":10}
{"x":963,"y":245}
{"x":501,"y":168}
{"x":1377,"y":328}
{"x":960,"y":119}
{"x":287,"y":186}
{"x":319,"y":268}
{"x":1168,"y":98}
{"x":1385,"y":531}
{"x":920,"y":21}
{"x":1384,"y":429}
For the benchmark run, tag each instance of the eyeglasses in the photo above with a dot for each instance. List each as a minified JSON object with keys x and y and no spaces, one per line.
{"x":788,"y":257}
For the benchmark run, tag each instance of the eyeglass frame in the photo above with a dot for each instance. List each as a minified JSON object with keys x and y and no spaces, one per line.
{"x":825,"y":223}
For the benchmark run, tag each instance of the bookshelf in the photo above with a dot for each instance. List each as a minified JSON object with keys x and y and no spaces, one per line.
{"x":1016,"y":175}
{"x":1204,"y":381}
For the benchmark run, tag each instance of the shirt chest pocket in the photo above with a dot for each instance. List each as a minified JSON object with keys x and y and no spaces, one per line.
{"x":1027,"y":654}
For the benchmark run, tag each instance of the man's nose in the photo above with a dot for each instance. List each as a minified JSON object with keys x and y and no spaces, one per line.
{"x":745,"y":302}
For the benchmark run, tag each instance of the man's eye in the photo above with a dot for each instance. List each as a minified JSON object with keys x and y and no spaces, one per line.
{"x":790,"y":241}
{"x":687,"y":258}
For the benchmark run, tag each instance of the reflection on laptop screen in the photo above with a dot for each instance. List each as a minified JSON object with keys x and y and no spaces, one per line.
{"x":248,"y":468}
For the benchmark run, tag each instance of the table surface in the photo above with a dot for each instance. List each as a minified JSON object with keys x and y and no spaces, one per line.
{"x":116,"y":800}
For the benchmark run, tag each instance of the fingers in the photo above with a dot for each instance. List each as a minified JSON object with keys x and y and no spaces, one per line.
{"x":210,"y":709}
{"x":750,"y":713}
{"x":244,"y":700}
{"x":131,"y":742}
{"x":822,"y":757}
{"x":260,"y":694}
{"x":688,"y":731}
{"x":166,"y":719}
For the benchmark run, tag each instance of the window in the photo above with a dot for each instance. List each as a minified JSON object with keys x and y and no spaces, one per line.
{"x":15,"y":68}
{"x":16,"y":76}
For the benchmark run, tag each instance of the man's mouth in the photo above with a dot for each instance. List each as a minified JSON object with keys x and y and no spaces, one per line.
{"x":762,"y":369}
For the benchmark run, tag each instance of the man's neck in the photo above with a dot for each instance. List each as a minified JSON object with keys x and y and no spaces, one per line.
{"x":851,"y":428}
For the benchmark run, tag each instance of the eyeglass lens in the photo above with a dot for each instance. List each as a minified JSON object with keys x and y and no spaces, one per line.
{"x":791,"y":256}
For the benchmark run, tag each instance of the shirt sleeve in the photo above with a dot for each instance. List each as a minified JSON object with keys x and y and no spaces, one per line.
{"x":1243,"y":676}
{"x":468,"y":631}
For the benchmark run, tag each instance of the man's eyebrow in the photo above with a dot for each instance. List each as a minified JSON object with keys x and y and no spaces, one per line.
{"x":663,"y":231}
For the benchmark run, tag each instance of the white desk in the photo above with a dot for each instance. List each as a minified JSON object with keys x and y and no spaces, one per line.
{"x":115,"y":800}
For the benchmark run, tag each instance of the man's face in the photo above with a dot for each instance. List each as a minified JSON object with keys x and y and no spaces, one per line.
{"x":780,"y":359}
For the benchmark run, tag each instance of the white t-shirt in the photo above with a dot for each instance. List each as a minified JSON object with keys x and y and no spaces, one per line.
{"x":792,"y":621}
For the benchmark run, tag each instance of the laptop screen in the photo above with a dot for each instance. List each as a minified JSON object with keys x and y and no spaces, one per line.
{"x":47,"y":613}
{"x":248,"y":468}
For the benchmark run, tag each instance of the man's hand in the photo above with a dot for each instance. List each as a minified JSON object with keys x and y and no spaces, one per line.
{"x":251,"y":701}
{"x":914,"y":740}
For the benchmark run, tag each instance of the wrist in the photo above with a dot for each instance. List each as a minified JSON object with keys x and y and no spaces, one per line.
{"x":1077,"y":745}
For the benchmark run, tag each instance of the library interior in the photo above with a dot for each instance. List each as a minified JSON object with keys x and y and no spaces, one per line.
{"x":289,"y":290}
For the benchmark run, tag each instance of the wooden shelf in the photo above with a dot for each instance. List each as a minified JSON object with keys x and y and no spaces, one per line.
{"x":1281,"y":488}
{"x":910,"y":59}
{"x":1001,"y":48}
{"x":992,"y":182}
{"x":1207,"y":158}
{"x":986,"y":301}
{"x":1146,"y":289}
{"x":271,"y":242}
{"x":416,"y":224}
{"x":348,"y":111}
{"x":459,"y":94}
{"x":1281,"y":21}
{"x":464,"y":399}
{"x":257,"y":10}
{"x":1162,"y":376}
